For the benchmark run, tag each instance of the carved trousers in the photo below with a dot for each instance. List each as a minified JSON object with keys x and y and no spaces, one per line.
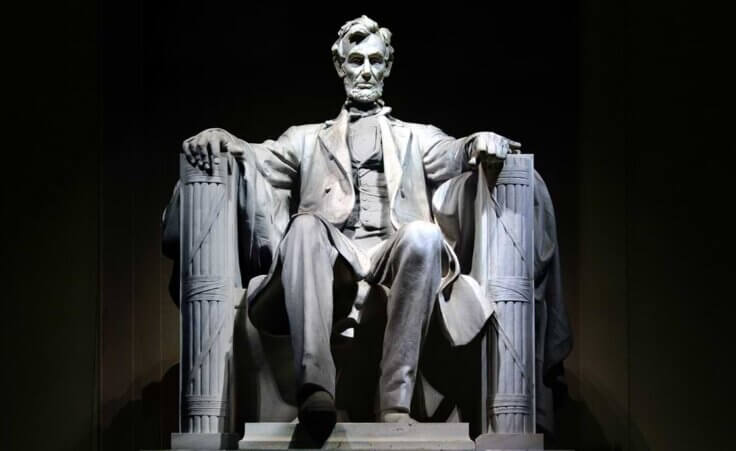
{"x":409,"y":263}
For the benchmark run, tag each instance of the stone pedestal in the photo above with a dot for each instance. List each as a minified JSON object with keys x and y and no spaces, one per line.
{"x":497,"y":442}
{"x":360,"y":436}
{"x":188,"y":441}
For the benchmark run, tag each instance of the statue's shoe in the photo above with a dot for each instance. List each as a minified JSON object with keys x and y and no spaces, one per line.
{"x":396,"y":417}
{"x":318,"y":414}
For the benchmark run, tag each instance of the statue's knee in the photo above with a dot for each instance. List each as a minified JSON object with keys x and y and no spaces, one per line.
{"x":306,"y":223}
{"x":304,"y":230}
{"x":423,"y":238}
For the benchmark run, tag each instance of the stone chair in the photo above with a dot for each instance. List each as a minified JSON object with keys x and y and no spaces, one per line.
{"x":233,"y":374}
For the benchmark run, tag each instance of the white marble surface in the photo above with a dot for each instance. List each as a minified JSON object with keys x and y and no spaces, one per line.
{"x":361,"y":436}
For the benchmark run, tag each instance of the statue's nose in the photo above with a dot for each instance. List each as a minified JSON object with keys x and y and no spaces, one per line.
{"x":366,"y":75}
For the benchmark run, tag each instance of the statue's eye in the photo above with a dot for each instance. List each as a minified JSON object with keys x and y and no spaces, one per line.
{"x":355,"y":60}
{"x":376,"y":60}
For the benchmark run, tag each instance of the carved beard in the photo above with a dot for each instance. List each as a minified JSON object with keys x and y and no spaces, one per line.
{"x":366,"y":96}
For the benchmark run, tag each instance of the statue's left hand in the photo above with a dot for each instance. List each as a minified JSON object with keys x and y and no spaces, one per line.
{"x":488,"y":147}
{"x":488,"y":150}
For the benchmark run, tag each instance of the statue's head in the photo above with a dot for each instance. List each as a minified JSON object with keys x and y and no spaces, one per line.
{"x":363,"y":57}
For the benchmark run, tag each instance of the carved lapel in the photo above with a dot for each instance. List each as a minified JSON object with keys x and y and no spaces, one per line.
{"x":398,"y":161}
{"x":391,"y":159}
{"x":402,"y":137}
{"x":334,"y":139}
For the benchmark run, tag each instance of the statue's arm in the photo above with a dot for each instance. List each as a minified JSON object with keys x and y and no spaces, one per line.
{"x":263,"y":167}
{"x":446,"y":157}
{"x":277,"y":160}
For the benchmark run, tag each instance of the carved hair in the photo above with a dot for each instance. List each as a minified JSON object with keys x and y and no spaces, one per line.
{"x":353,"y":32}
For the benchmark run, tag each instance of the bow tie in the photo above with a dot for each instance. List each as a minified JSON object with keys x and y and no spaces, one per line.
{"x":356,"y":113}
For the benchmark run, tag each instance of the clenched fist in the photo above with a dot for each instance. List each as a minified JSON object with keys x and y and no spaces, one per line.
{"x":203,"y":150}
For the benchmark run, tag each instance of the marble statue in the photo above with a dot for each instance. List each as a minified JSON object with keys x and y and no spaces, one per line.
{"x":318,"y":220}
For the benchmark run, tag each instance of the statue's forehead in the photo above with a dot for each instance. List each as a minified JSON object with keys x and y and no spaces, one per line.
{"x":370,"y":44}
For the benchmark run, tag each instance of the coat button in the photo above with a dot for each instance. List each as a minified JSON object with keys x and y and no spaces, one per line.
{"x":402,"y":194}
{"x":328,"y":189}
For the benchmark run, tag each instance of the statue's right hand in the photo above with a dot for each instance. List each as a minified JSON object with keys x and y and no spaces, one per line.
{"x":203,"y":149}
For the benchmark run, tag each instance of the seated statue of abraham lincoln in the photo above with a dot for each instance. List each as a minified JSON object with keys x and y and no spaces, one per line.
{"x":349,"y":202}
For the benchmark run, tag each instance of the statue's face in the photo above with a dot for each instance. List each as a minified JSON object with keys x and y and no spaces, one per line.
{"x":365,"y":68}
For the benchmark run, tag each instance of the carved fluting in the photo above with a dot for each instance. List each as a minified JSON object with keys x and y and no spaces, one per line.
{"x":511,"y":393}
{"x":206,"y":284}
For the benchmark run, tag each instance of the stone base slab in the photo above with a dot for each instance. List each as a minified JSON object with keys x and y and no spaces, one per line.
{"x":188,"y":441}
{"x":360,"y":436}
{"x":497,"y":442}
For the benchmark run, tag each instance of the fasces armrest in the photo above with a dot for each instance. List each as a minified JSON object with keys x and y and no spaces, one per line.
{"x":207,"y":270}
{"x":509,"y":282}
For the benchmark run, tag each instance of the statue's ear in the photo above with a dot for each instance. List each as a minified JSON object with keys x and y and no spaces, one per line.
{"x":337,"y":60}
{"x":389,"y":65}
{"x":338,"y":67}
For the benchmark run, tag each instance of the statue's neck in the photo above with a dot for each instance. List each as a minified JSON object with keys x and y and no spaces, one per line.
{"x":363,"y":108}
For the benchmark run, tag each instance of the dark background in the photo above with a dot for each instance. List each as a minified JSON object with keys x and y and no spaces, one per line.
{"x":623,"y":104}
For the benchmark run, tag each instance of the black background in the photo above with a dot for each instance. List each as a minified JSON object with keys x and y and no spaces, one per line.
{"x":623,"y":104}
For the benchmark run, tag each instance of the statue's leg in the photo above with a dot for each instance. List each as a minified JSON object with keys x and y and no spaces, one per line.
{"x":411,"y":265}
{"x":307,"y":276}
